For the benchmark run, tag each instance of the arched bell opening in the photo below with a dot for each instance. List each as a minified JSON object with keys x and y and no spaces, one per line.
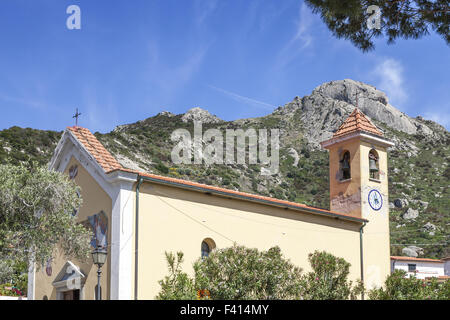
{"x":374,"y":166}
{"x":344,"y":166}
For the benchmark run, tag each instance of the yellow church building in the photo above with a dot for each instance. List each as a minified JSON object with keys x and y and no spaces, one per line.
{"x":139,"y":216}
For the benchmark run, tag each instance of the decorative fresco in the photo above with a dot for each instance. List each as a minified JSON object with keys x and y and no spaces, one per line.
{"x":99,"y":224}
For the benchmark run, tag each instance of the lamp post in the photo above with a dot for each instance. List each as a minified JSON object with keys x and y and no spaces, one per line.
{"x":99,"y":256}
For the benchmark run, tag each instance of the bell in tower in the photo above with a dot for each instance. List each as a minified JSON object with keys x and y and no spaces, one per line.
{"x":345,"y":163}
{"x":373,"y":167}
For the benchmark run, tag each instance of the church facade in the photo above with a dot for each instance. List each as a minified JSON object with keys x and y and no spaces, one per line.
{"x":139,"y":216}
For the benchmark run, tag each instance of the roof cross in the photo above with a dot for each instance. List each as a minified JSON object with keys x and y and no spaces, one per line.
{"x":76,"y":117}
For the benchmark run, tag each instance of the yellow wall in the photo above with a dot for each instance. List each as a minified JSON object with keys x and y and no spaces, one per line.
{"x":94,"y":200}
{"x":345,"y":196}
{"x":376,"y":233}
{"x":174,"y":219}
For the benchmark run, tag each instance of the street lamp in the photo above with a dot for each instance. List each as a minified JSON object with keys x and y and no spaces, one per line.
{"x":99,"y":256}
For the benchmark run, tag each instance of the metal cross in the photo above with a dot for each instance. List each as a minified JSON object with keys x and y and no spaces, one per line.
{"x":76,"y":117}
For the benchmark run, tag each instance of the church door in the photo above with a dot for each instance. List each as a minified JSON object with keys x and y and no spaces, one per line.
{"x":71,"y":295}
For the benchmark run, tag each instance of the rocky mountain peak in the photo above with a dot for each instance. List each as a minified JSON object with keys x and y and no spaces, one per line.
{"x":199,"y":114}
{"x":346,"y":90}
{"x":166,"y":113}
{"x":330,"y":103}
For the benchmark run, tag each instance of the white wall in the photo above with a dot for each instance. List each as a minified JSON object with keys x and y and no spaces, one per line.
{"x":423,"y":269}
{"x":447,"y":268}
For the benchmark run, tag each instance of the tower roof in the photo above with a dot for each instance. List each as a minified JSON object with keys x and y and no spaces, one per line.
{"x":356,"y":122}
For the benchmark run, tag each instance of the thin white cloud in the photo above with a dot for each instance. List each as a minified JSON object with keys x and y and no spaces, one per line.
{"x":389,"y":77}
{"x":301,"y":40}
{"x":170,"y":78}
{"x":243,"y":99}
{"x":303,"y":36}
{"x":203,"y":9}
{"x":26,"y":102}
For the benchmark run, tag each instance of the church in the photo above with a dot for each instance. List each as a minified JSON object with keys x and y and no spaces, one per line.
{"x":138,"y":216}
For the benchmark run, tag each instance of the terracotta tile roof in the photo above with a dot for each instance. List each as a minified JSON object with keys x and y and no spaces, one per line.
{"x":357,"y":122}
{"x":415,"y":259}
{"x":95,"y":148}
{"x":110,"y":164}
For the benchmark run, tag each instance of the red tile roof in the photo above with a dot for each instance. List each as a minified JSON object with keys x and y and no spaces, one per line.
{"x":357,"y":122}
{"x":110,"y":164}
{"x":415,"y":259}
{"x":95,"y":148}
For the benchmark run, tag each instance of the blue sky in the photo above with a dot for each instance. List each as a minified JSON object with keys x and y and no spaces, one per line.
{"x":235,"y":58}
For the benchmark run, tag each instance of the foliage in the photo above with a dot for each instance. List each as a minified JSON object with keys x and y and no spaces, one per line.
{"x":14,"y":273}
{"x":8,"y":289}
{"x":35,"y":215}
{"x":399,"y":287}
{"x":399,"y":19}
{"x":20,"y":145}
{"x":177,"y":285}
{"x":328,"y":280}
{"x":240,"y":273}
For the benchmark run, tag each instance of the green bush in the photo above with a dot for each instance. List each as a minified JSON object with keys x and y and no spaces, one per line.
{"x":398,"y":287}
{"x":241,"y":273}
{"x":177,"y":285}
{"x":328,"y":280}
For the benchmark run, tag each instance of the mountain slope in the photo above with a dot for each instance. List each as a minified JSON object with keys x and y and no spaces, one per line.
{"x":418,"y":164}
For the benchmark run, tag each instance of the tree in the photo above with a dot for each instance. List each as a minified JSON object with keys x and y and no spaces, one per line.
{"x":398,"y":19}
{"x":36,"y":207}
{"x":177,"y":285}
{"x":328,"y":280}
{"x":241,"y":273}
{"x":398,"y":287}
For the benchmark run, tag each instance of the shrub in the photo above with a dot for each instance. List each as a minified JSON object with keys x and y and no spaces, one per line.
{"x":241,"y":273}
{"x":177,"y":285}
{"x":398,"y":287}
{"x":328,"y":280}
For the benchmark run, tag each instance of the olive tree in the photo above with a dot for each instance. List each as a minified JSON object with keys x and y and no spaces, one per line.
{"x":36,"y":207}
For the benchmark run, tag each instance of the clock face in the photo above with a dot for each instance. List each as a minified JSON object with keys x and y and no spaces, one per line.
{"x":375,"y":199}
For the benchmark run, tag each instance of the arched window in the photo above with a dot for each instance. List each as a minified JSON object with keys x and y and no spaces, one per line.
{"x":374,"y":169}
{"x":208,"y":245}
{"x":345,"y":166}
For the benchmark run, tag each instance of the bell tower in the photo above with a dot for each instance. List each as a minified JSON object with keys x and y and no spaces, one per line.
{"x":359,"y":187}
